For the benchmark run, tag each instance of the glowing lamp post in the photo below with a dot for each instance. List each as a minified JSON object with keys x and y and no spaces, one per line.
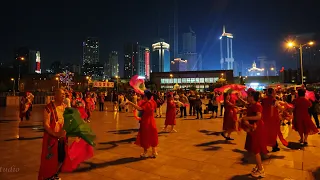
{"x":14,"y":86}
{"x":57,"y":79}
{"x":117,"y":77}
{"x":291,"y":45}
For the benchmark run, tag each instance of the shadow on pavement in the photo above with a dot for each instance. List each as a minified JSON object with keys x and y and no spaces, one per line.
{"x":7,"y":121}
{"x":115,"y":143}
{"x":295,"y":146}
{"x":31,"y":127}
{"x":248,"y":159}
{"x":243,"y":177}
{"x":110,"y":163}
{"x":316,"y":173}
{"x":215,"y":142}
{"x":24,"y":139}
{"x":209,"y":133}
{"x":124,"y":131}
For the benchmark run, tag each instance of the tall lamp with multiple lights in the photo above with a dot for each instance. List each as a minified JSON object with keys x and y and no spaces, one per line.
{"x":292,"y":44}
{"x":14,"y":88}
{"x":21,"y":59}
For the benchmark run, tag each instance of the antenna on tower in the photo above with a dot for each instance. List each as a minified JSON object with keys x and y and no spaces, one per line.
{"x":224,"y":29}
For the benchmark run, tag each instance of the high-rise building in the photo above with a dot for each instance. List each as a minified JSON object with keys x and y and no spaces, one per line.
{"x":178,"y":65}
{"x":147,"y":63}
{"x":27,"y":61}
{"x":189,"y":41}
{"x":134,"y":60}
{"x":270,"y":68}
{"x":113,"y":65}
{"x":90,"y":51}
{"x":160,"y":57}
{"x":189,"y":51}
{"x":226,"y":53}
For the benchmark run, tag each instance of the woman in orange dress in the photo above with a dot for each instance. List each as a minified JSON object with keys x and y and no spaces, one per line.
{"x":230,"y":119}
{"x":255,"y":140}
{"x":301,"y":118}
{"x":170,"y":114}
{"x":148,"y":133}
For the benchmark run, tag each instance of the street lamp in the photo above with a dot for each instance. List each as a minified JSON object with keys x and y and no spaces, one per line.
{"x":14,"y":86}
{"x":21,"y":59}
{"x":117,"y":77}
{"x":57,"y":79}
{"x":290,"y":45}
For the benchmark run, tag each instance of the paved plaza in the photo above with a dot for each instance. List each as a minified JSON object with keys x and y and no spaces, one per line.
{"x":195,"y":152}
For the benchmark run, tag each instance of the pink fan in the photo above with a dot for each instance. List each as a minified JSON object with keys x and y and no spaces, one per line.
{"x":310,"y":95}
{"x":137,"y":84}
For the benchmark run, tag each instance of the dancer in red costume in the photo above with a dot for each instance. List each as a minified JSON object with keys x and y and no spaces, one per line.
{"x":255,"y":140}
{"x":170,"y":114}
{"x":271,"y":119}
{"x":148,"y":134}
{"x":230,"y":119}
{"x":54,"y":156}
{"x":302,"y":121}
{"x":80,"y":105}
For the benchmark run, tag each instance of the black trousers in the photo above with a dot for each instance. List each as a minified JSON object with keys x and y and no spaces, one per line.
{"x":61,"y":151}
{"x":183,"y":111}
{"x":315,"y":117}
{"x":192,"y":110}
{"x":199,"y":111}
{"x":101,"y":106}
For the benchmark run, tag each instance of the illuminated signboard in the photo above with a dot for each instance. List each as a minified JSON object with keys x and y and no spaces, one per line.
{"x":38,"y":61}
{"x":147,"y":63}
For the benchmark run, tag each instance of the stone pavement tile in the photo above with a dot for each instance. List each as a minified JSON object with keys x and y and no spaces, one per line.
{"x":193,"y":175}
{"x":220,"y":161}
{"x":192,"y":156}
{"x":284,"y":172}
{"x":147,"y":165}
{"x":83,"y":176}
{"x":184,"y":163}
{"x":169,"y":171}
{"x":148,"y":176}
{"x":286,"y":163}
{"x":125,"y":173}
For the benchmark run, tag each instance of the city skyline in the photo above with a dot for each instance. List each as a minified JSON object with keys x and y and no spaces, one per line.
{"x":255,"y":33}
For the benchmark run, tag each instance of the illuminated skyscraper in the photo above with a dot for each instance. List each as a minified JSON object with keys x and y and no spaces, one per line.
{"x":113,"y":65}
{"x":160,"y":57}
{"x":135,"y":60}
{"x":178,"y":65}
{"x":90,"y":51}
{"x":189,"y":51}
{"x":226,"y":52}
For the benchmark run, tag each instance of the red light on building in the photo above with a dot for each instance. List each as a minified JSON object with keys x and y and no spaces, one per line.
{"x":38,"y":66}
{"x":147,"y":63}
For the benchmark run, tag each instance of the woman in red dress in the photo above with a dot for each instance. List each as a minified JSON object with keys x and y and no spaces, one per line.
{"x":230,"y":119}
{"x":255,"y":140}
{"x":170,"y":114}
{"x":301,"y":118}
{"x":148,"y":134}
{"x":270,"y":116}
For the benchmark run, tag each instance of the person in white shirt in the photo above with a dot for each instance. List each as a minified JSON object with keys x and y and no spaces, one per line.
{"x":67,"y":101}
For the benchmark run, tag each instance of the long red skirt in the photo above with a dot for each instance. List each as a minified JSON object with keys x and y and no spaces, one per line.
{"x":147,"y":137}
{"x":170,"y":116}
{"x":256,"y":140}
{"x":305,"y":125}
{"x":230,"y":122}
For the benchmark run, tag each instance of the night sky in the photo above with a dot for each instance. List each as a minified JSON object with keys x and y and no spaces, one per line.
{"x":57,"y":28}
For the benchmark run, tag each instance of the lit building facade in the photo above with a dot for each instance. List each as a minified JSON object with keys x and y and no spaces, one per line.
{"x":254,"y":71}
{"x":147,"y":63}
{"x":113,"y":64}
{"x":201,"y":80}
{"x":27,"y":61}
{"x":90,"y":51}
{"x":179,"y":65}
{"x":160,"y":57}
{"x":226,"y":51}
{"x":134,"y":60}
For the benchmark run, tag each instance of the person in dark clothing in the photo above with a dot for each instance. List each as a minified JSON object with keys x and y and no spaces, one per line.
{"x":192,"y":98}
{"x":198,"y":106}
{"x":291,"y":96}
{"x":313,"y":112}
{"x":101,"y":102}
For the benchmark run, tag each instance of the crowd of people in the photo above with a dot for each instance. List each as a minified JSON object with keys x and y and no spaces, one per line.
{"x":260,"y":114}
